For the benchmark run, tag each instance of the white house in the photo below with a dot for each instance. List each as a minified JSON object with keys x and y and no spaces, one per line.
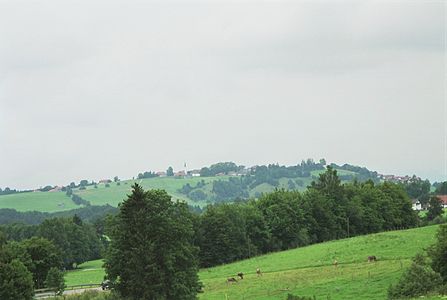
{"x":416,"y":204}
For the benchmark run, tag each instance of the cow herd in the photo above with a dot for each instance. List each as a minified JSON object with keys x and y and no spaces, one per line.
{"x":371,"y":258}
{"x":241,"y":276}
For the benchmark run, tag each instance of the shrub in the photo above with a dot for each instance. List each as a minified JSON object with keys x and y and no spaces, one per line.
{"x":418,"y":280}
{"x":55,"y":280}
{"x":107,"y":185}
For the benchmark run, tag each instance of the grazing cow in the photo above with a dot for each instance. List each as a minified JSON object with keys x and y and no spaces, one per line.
{"x":372,"y":258}
{"x":241,"y":275}
{"x":258,"y":271}
{"x":231,"y":279}
{"x":335,"y":263}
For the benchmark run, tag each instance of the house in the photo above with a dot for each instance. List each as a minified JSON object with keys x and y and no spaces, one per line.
{"x":194,"y":173}
{"x":180,"y":174}
{"x":443,"y":199}
{"x":56,"y":189}
{"x":105,"y":181}
{"x":416,"y":204}
{"x":161,"y":174}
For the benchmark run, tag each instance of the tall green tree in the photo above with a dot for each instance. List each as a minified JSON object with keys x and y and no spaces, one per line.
{"x":55,"y":281}
{"x":442,"y":189}
{"x":438,"y":253}
{"x":16,"y":282}
{"x":151,"y":255}
{"x":434,"y":208}
{"x":44,"y":256}
{"x":285,"y":218}
{"x":170,"y":171}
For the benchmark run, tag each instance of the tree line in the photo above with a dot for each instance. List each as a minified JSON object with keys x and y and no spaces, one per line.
{"x":35,"y":256}
{"x":284,"y":219}
{"x":78,"y":241}
{"x":157,"y":245}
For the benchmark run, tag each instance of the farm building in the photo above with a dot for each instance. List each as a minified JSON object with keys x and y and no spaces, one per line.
{"x":194,"y":173}
{"x":443,"y":199}
{"x":416,"y":204}
{"x":180,"y":174}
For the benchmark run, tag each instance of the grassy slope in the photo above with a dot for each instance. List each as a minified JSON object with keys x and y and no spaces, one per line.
{"x":88,"y":272}
{"x":46,"y":201}
{"x":308,"y":270}
{"x":116,"y":193}
{"x":40,"y":201}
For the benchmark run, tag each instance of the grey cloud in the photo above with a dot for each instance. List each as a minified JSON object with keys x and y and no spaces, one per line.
{"x":95,"y":89}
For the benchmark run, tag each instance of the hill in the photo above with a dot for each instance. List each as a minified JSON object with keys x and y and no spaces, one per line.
{"x":308,"y":271}
{"x":224,"y":182}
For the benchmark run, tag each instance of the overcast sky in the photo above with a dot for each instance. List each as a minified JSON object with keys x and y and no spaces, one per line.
{"x":99,"y":89}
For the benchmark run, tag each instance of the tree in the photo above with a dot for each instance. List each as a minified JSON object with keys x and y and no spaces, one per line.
{"x":151,"y":255}
{"x":78,"y":243}
{"x":285,"y":218}
{"x":83,"y":182}
{"x":434,"y":209}
{"x":438,"y":253}
{"x":442,"y":189}
{"x":44,"y":256}
{"x":16,"y":282}
{"x":116,"y":179}
{"x":55,"y":281}
{"x":170,"y":172}
{"x":418,"y":280}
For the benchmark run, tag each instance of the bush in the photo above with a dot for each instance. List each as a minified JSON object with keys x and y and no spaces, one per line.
{"x":55,"y":280}
{"x":91,"y":295}
{"x":418,"y":280}
{"x":107,"y":185}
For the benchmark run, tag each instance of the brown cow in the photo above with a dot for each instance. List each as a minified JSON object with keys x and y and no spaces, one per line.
{"x":335,"y":263}
{"x":372,"y":258}
{"x":258,"y":271}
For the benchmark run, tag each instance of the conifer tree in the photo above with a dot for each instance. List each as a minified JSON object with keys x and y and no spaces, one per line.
{"x":151,"y":255}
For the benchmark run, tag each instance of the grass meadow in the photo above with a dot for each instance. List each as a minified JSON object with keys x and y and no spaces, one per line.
{"x":39,"y":201}
{"x":117,"y":193}
{"x":114,"y":194}
{"x":308,"y":271}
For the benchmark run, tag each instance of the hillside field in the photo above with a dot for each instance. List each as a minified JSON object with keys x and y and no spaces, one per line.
{"x":308,"y":271}
{"x":114,"y":194}
{"x":39,"y":201}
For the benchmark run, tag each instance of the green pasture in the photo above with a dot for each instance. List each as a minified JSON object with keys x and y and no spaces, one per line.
{"x":308,"y":271}
{"x":116,"y":193}
{"x":39,"y":201}
{"x":90,"y":272}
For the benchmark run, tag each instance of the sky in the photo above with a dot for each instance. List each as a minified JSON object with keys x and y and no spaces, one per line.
{"x":94,"y":89}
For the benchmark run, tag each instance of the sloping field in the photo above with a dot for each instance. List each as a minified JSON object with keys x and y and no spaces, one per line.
{"x":39,"y":201}
{"x":308,"y":271}
{"x":116,"y":193}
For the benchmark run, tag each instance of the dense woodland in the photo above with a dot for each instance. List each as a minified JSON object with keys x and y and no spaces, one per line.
{"x":288,"y":219}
